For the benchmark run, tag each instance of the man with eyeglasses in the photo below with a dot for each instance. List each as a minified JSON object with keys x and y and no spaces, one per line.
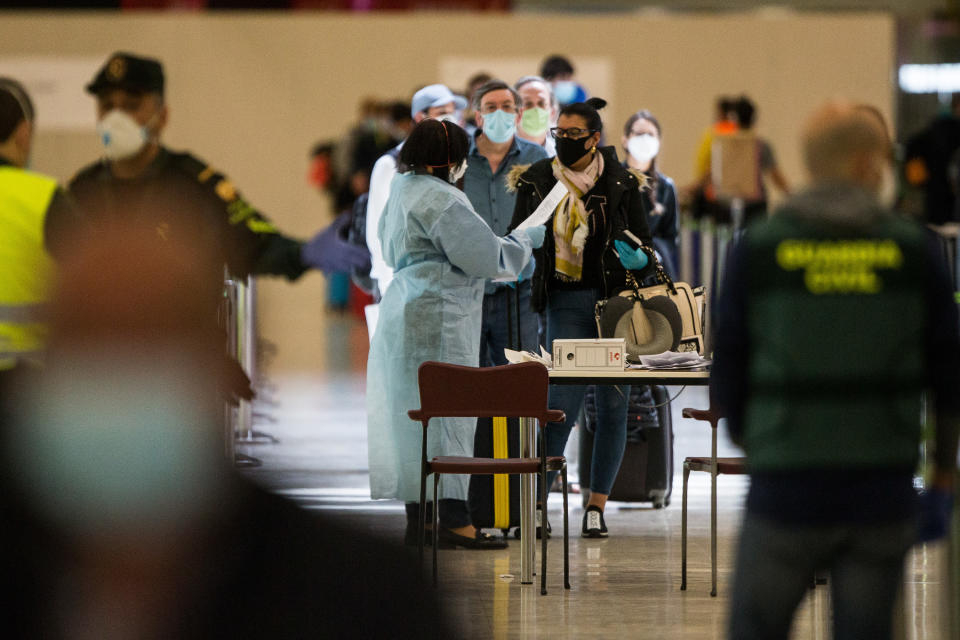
{"x":496,"y":151}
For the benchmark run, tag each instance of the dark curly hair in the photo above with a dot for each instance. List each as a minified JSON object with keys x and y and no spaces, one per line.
{"x":588,"y":111}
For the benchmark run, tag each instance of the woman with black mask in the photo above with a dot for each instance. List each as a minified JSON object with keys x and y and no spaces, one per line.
{"x":585,"y":258}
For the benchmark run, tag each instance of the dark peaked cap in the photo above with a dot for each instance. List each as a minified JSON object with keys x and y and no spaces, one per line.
{"x":130,"y":73}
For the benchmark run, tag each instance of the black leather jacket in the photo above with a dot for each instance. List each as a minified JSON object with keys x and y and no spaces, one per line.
{"x":627,"y":210}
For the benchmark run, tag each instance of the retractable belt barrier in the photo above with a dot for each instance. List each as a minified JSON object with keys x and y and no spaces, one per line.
{"x":237,"y":318}
{"x":949,"y":234}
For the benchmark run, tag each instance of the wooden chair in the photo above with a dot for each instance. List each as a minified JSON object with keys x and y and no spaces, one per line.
{"x":714,"y":466}
{"x":512,"y":391}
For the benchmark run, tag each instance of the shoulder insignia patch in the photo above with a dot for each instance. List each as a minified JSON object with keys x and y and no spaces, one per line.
{"x":226,"y":190}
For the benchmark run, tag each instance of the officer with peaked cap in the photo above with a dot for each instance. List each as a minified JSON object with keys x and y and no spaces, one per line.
{"x":173,"y":192}
{"x":173,"y":195}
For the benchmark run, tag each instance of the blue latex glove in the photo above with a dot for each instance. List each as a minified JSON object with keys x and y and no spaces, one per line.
{"x":536,"y":235}
{"x":630,"y":258}
{"x":526,"y":274}
{"x":329,"y":251}
{"x":934,"y":517}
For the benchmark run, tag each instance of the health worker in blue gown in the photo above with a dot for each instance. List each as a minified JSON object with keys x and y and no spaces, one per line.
{"x":442,"y":252}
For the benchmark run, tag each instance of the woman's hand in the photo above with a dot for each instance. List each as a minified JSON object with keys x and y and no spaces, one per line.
{"x":630,"y":258}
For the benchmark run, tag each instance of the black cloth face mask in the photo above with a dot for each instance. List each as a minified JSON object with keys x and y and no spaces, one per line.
{"x":570,"y":150}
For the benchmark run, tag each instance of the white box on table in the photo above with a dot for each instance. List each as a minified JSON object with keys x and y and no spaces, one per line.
{"x":598,"y":354}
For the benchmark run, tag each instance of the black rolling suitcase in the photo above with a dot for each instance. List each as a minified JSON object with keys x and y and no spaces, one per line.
{"x":646,"y":473}
{"x":494,"y":500}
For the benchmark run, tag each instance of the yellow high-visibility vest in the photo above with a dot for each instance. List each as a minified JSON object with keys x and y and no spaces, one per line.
{"x":26,"y":270}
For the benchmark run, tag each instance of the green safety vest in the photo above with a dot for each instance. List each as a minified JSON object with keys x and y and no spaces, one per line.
{"x":25,"y":267}
{"x":835,"y":323}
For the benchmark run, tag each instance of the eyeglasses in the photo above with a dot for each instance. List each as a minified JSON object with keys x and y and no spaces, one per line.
{"x":573,"y":132}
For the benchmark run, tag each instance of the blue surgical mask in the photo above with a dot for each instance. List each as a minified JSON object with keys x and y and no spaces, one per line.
{"x":499,"y":126}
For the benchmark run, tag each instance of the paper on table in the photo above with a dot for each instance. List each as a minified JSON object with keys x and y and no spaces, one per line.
{"x":672,"y":360}
{"x":514,"y":357}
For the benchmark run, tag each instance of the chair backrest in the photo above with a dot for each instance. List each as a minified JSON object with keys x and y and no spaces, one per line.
{"x":511,"y":390}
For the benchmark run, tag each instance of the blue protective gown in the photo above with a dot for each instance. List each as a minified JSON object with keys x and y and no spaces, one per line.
{"x":441,"y":252}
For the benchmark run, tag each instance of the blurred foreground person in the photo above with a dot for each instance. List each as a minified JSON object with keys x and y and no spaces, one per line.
{"x":33,"y":214}
{"x":442,"y":253}
{"x":126,"y":519}
{"x":836,"y":316}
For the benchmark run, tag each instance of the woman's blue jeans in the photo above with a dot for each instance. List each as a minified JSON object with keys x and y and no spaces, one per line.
{"x":570,"y":314}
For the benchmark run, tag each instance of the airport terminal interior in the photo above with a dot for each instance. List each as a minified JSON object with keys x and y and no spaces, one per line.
{"x":291,"y":103}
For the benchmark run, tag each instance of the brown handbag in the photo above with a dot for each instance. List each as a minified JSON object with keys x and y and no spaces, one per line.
{"x":661,"y":317}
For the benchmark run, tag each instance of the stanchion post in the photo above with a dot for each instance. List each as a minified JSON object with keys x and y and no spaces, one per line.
{"x":228,"y":322}
{"x":243,"y":329}
{"x":528,"y":486}
{"x":952,"y":599}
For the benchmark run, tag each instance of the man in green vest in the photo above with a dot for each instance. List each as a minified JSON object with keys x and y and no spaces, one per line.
{"x":33,"y":214}
{"x":835,"y":317}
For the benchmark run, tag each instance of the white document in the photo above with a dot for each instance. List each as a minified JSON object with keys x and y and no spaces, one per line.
{"x":672,"y":360}
{"x":542,"y":213}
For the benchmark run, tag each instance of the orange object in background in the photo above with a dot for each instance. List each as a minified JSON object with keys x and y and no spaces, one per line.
{"x":916,"y":172}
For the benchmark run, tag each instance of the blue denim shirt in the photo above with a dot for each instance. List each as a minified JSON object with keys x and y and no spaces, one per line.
{"x":488,"y":191}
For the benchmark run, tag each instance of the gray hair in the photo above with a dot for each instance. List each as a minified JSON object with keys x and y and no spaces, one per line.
{"x":528,"y":79}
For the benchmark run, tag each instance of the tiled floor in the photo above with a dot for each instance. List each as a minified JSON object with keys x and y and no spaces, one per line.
{"x":625,"y":586}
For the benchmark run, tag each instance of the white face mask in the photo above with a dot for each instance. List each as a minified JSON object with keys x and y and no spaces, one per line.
{"x":121,"y":135}
{"x":457,"y":172}
{"x":644,"y":147}
{"x":449,"y":117}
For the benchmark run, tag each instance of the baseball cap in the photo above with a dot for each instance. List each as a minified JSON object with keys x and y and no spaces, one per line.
{"x":129,"y":72}
{"x":435,"y":95}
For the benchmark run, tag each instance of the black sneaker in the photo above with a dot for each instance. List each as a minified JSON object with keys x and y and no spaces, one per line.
{"x":593,"y":524}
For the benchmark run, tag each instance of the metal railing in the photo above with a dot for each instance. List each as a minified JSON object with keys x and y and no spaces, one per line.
{"x":238,"y":319}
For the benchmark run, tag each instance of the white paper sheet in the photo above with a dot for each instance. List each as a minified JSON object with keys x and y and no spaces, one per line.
{"x":543,"y":212}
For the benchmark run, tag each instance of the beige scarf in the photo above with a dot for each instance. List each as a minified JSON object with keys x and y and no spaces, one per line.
{"x":571,"y":221}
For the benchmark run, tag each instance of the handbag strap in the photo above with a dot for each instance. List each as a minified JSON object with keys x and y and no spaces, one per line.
{"x":662,"y":277}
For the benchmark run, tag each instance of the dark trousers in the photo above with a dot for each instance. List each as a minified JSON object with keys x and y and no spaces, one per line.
{"x":776,"y":561}
{"x":500,"y":320}
{"x":570,"y":315}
